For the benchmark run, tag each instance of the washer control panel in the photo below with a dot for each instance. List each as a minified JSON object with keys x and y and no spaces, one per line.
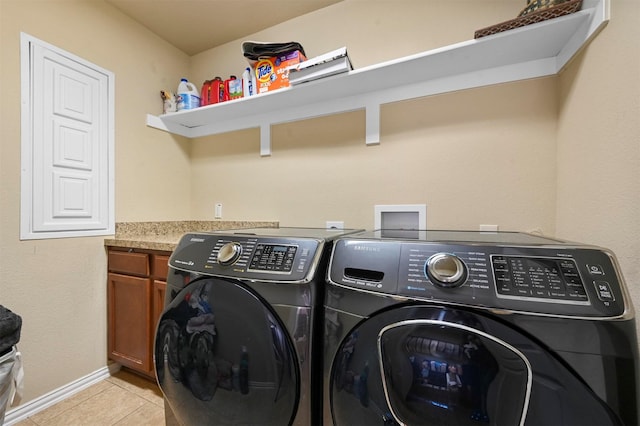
{"x":273,"y":257}
{"x":553,"y":279}
{"x":247,"y":256}
{"x":561,"y":280}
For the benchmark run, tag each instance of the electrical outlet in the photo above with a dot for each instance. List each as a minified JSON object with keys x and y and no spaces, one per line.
{"x":218,"y":211}
{"x":488,"y":228}
{"x":335,"y":224}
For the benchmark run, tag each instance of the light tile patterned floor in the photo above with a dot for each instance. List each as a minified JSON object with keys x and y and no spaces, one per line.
{"x":123,"y":399}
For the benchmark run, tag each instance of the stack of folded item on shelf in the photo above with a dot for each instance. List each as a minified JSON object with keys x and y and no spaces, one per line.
{"x":278,"y":65}
{"x":270,"y":63}
{"x":535,"y":11}
{"x":256,"y":50}
{"x":331,"y":63}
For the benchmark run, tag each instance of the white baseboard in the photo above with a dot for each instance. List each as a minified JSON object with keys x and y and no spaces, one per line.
{"x":34,"y":406}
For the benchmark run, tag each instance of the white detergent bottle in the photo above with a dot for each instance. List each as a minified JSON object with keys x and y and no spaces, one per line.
{"x":248,"y":87}
{"x":188,"y":95}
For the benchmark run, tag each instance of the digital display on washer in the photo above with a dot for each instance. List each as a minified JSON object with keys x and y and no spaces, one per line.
{"x":273,"y":257}
{"x":550,"y":279}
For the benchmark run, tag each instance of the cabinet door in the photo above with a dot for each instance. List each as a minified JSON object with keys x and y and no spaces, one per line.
{"x":160,"y":266}
{"x":129,"y":317}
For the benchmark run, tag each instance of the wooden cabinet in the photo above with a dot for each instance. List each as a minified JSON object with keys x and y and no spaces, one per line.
{"x":130,"y":321}
{"x":136,"y":286}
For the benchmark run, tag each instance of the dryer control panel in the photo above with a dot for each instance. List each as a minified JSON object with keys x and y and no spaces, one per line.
{"x":248,"y":256}
{"x":559,"y":280}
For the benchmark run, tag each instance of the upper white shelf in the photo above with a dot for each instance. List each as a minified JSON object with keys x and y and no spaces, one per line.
{"x":536,"y":50}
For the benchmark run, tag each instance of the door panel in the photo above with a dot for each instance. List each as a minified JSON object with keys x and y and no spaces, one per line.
{"x":437,"y":372}
{"x":69,"y":141}
{"x":224,"y":357}
{"x":129,"y":313}
{"x":430,"y":365}
{"x":67,"y":144}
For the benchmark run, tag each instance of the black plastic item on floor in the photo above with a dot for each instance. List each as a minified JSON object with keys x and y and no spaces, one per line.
{"x":10,"y":325}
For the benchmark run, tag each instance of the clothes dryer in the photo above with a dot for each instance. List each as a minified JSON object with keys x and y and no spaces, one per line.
{"x":235,"y":343}
{"x":465,"y":328}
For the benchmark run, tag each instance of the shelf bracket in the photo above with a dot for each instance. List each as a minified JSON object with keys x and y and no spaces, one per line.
{"x":372,"y":124}
{"x":265,"y":140}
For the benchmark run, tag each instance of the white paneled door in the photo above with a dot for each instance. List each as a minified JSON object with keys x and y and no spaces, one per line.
{"x":67,"y":146}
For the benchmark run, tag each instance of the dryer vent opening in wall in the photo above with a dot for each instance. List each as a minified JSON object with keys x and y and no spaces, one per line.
{"x":401,"y":216}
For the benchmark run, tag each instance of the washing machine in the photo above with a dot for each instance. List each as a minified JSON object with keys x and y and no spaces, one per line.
{"x":465,"y":328}
{"x":235,"y":343}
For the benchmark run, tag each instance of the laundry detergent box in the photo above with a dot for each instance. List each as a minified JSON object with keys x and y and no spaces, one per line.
{"x":272,"y":73}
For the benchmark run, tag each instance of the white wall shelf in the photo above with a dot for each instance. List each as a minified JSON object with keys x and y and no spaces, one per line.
{"x":536,"y":50}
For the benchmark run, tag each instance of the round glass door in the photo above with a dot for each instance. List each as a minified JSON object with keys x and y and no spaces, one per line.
{"x":431,"y":365}
{"x":428,"y":366}
{"x":222,"y":356}
{"x":441,"y":373}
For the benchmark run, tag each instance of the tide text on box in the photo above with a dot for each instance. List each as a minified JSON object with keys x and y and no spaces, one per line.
{"x":272,"y":73}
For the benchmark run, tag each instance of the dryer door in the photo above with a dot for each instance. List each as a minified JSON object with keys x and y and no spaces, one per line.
{"x":222,"y":356}
{"x":424,"y":365}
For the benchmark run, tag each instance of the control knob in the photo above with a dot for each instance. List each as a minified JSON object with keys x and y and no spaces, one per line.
{"x":446,"y":270}
{"x":229,"y":253}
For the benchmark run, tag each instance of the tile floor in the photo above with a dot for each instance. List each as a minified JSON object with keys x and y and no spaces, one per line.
{"x":123,"y":399}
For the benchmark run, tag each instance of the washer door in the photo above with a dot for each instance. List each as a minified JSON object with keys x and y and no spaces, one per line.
{"x":424,"y":365}
{"x":222,"y":356}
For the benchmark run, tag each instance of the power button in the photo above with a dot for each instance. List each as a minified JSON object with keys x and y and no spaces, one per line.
{"x":595,"y":269}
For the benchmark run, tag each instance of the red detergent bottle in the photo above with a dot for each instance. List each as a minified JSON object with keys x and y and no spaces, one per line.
{"x":217,"y":90}
{"x":205,"y":93}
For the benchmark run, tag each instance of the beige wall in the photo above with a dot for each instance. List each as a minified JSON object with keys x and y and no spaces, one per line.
{"x":505,"y":154}
{"x":469,"y":164}
{"x":59,"y":286}
{"x":599,"y":143}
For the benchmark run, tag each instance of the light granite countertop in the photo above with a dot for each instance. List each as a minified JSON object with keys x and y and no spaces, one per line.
{"x":165,"y":236}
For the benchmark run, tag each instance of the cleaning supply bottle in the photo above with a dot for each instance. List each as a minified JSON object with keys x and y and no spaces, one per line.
{"x":247,"y":83}
{"x":188,"y":95}
{"x":217,"y":90}
{"x":232,"y":88}
{"x":205,"y":93}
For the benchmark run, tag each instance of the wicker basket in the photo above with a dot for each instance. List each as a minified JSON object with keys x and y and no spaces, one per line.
{"x":542,"y":10}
